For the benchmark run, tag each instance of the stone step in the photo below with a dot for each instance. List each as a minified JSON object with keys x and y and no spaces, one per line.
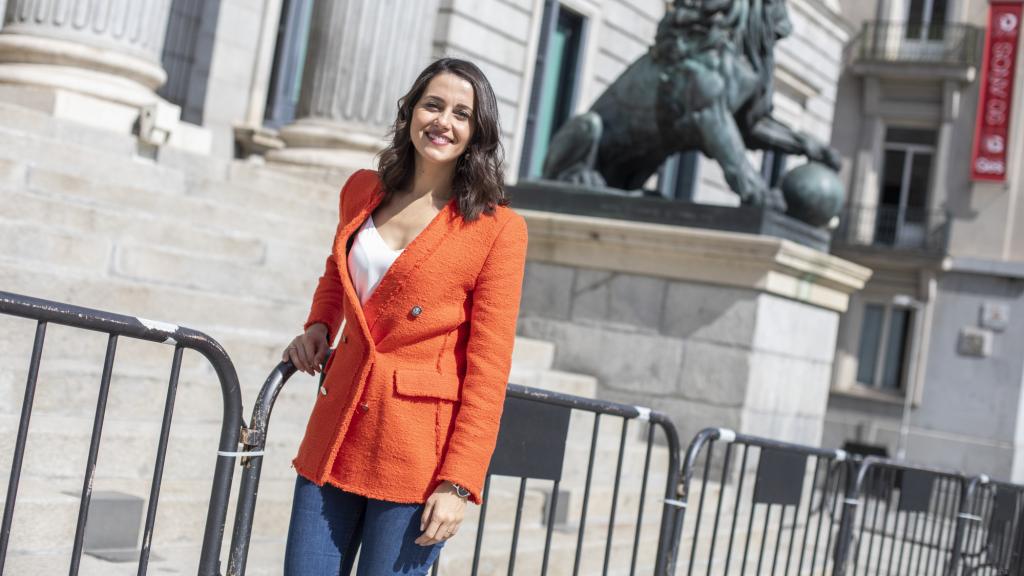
{"x":247,"y":175}
{"x":533,"y":354}
{"x":46,"y":511}
{"x":289,"y":203}
{"x":554,"y":380}
{"x":54,"y":211}
{"x":90,"y":163}
{"x":21,"y":240}
{"x":22,"y":120}
{"x":284,"y":272}
{"x":204,"y":311}
{"x":208,"y":213}
{"x":279,"y":272}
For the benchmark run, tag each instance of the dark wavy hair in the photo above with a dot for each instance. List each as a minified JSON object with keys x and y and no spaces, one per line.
{"x":478,"y":182}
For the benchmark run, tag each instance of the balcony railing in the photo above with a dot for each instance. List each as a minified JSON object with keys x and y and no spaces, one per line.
{"x":911,"y":43}
{"x":893,"y":227}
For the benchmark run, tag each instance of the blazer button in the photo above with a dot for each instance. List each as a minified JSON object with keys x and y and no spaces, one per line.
{"x":364,"y":407}
{"x":344,"y":338}
{"x":416,"y":310}
{"x":323,"y":391}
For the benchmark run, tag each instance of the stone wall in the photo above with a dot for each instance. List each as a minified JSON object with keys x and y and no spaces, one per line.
{"x":708,"y":355}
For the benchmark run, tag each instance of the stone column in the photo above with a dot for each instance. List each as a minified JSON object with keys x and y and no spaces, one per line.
{"x":361,"y":57}
{"x":52,"y":52}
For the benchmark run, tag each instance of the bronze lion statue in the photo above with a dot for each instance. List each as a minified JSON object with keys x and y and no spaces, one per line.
{"x":705,"y":84}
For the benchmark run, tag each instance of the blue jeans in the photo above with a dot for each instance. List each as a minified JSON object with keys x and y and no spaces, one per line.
{"x":328,"y":525}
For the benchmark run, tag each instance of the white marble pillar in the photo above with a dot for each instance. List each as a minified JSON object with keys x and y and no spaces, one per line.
{"x":105,"y":51}
{"x":361,"y":57}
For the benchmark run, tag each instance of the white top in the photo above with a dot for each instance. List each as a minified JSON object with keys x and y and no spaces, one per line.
{"x":369,"y":259}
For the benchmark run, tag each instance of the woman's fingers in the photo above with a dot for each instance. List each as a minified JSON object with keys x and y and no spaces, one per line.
{"x":432,"y":535}
{"x":425,"y":517}
{"x":430,"y":524}
{"x":320,"y":355}
{"x":306,"y":353}
{"x":289,"y":355}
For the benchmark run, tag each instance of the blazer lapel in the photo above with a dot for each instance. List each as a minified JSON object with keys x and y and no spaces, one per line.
{"x":341,"y":255}
{"x":398,"y":274}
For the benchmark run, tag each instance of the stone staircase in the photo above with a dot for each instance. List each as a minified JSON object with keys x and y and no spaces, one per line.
{"x":232,"y":249}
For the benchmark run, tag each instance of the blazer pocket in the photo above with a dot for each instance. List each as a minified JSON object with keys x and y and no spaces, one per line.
{"x":427,"y":383}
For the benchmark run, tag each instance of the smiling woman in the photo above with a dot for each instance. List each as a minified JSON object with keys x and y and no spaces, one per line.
{"x":453,"y":99}
{"x":407,"y":415}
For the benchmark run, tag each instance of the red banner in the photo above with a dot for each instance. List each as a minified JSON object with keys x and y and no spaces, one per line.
{"x":992,"y":132}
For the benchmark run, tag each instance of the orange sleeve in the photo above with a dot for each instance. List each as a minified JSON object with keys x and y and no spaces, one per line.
{"x":328,"y":303}
{"x":489,"y":359}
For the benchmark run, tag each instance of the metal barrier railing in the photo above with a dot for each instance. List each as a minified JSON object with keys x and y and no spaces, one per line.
{"x":994,"y":538}
{"x":531,"y":446}
{"x":760,"y":505}
{"x":776,"y":505}
{"x":904,"y":519}
{"x":118,"y":326}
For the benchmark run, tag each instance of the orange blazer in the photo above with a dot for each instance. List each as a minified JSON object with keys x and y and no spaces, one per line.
{"x":414,"y":391}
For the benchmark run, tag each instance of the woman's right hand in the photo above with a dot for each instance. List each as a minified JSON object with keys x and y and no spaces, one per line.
{"x":308,"y":350}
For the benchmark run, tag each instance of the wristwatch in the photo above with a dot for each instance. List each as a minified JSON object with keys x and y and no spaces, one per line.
{"x":460,"y":491}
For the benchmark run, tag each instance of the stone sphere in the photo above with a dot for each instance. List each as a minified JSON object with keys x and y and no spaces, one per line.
{"x":813,"y":193}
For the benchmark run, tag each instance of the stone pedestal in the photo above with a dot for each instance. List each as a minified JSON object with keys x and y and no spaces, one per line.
{"x":361,"y":57}
{"x":94,"y":61}
{"x":713,"y":328}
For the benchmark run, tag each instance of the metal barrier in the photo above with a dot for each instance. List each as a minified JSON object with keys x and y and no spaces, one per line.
{"x":760,"y":491}
{"x":777,"y":507}
{"x":994,"y":539}
{"x":117,"y":326}
{"x":904,"y":519}
{"x":531,"y":446}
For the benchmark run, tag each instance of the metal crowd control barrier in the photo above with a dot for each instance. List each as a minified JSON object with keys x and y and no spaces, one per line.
{"x":904,"y":519}
{"x":994,"y":540}
{"x":761,"y":506}
{"x":117,"y":326}
{"x":531,"y":445}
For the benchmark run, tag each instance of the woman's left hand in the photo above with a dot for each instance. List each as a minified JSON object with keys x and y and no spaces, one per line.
{"x":442,"y":515}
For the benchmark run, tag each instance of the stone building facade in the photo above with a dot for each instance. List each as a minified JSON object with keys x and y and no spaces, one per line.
{"x":929,"y":362}
{"x":221,"y":130}
{"x":309,"y":85}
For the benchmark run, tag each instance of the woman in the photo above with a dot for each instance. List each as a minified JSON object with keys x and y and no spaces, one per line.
{"x":426,"y":272}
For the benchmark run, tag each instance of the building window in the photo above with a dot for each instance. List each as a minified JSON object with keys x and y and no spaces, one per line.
{"x":883,"y":355}
{"x":186,"y":56}
{"x":926,"y":19}
{"x":902,"y":213}
{"x":289,"y":59}
{"x":555,"y":83}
